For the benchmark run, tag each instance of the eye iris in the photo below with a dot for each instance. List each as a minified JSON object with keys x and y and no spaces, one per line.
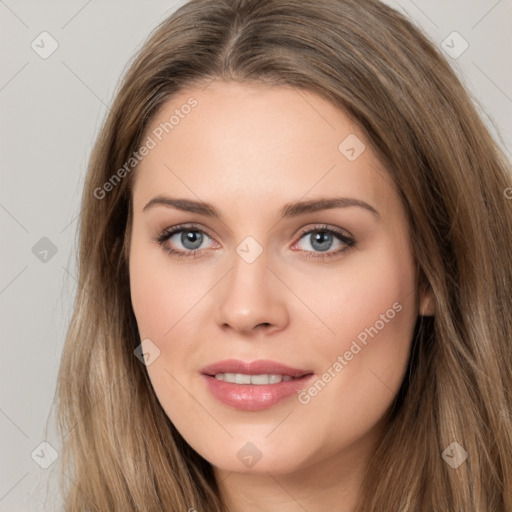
{"x":191,"y":237}
{"x":322,"y":238}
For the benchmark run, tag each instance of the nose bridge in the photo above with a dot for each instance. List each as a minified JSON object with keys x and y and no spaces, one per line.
{"x":250,"y":267}
{"x":249,"y":295}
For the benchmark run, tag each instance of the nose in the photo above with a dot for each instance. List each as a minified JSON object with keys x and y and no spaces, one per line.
{"x":251,"y":298}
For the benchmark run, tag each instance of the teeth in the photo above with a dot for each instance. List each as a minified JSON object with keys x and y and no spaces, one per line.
{"x":240,"y":378}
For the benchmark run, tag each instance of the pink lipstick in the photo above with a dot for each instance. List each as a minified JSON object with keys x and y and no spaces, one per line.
{"x":256,"y":385}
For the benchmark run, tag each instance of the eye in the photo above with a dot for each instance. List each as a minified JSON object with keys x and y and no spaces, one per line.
{"x":318,"y":241}
{"x":191,"y":238}
{"x":321,"y":239}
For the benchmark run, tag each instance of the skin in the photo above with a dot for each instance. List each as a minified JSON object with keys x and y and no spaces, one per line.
{"x":249,"y":150}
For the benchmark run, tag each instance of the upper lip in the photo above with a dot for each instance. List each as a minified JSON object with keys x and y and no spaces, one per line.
{"x":260,"y":367}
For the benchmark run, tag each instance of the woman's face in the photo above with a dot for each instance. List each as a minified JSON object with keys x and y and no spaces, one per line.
{"x":267,"y":272}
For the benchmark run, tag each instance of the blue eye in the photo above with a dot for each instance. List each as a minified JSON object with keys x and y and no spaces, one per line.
{"x":191,"y":238}
{"x":322,"y":238}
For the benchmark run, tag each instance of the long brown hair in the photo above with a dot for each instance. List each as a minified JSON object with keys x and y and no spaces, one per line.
{"x":121,"y":452}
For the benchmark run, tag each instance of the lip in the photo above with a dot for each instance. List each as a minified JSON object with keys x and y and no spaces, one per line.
{"x":252,"y":397}
{"x":260,"y":367}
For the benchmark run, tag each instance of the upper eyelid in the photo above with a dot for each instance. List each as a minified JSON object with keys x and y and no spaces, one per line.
{"x":176,"y":229}
{"x":323,"y":227}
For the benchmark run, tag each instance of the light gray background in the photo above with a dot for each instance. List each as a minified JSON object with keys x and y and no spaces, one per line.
{"x":51,"y":110}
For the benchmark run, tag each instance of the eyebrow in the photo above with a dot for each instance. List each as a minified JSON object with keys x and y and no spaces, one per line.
{"x":289,"y":210}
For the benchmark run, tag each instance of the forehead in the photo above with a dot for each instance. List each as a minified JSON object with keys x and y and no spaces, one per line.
{"x":236,"y":142}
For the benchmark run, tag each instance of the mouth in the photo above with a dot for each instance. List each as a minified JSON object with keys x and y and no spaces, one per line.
{"x":254,"y":386}
{"x":257,"y":379}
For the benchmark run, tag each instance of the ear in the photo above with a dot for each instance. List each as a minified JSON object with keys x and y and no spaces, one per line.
{"x":427,"y":304}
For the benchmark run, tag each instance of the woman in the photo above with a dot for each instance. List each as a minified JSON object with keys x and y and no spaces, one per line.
{"x":294,"y":274}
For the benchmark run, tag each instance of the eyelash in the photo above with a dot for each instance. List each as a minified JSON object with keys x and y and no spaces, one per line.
{"x":168,"y":233}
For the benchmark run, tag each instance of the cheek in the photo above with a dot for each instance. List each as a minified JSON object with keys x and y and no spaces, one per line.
{"x":163,"y":296}
{"x":371,"y":306}
{"x":368,"y":290}
{"x":161,"y":293}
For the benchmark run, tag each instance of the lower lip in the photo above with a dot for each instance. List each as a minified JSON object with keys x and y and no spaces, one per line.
{"x":253,"y":397}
